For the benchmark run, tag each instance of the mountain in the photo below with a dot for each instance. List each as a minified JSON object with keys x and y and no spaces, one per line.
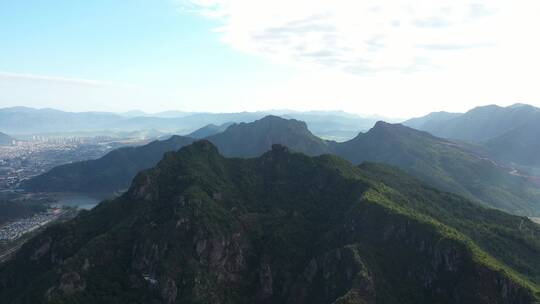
{"x":281,"y":228}
{"x":339,"y":126}
{"x":253,"y":139}
{"x":479,"y":124}
{"x":520,"y":145}
{"x":431,"y":120}
{"x":22,"y":120}
{"x":507,"y":134}
{"x":208,"y":130}
{"x":5,"y":139}
{"x":110,"y":173}
{"x":439,"y":162}
{"x":445,"y":165}
{"x":114,"y":171}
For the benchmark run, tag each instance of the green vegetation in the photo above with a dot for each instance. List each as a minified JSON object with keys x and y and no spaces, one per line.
{"x":445,"y":165}
{"x":253,"y":139}
{"x":441,"y":163}
{"x":509,"y":134}
{"x":110,"y":173}
{"x":518,"y":146}
{"x":280,"y":228}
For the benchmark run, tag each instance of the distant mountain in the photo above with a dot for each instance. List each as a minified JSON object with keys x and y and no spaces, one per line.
{"x":115,"y":170}
{"x":110,"y":173}
{"x":439,"y":162}
{"x":432,"y":120}
{"x":520,"y":145}
{"x":208,"y":130}
{"x":253,"y":139}
{"x":339,"y":126}
{"x":445,"y":165}
{"x":280,"y":228}
{"x":21,"y":120}
{"x":508,"y":134}
{"x":479,"y":124}
{"x":5,"y":139}
{"x":333,"y":125}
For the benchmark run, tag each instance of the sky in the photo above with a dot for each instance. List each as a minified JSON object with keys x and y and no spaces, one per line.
{"x":394,"y":58}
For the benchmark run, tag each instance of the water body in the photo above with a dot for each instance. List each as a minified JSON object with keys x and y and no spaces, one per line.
{"x":79,"y":200}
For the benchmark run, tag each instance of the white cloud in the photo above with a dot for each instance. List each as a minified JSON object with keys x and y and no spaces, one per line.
{"x":370,"y":36}
{"x":392,"y":57}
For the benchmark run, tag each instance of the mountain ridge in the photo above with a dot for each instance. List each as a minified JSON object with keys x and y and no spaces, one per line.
{"x":479,"y":124}
{"x":276,"y":229}
{"x":438,"y":162}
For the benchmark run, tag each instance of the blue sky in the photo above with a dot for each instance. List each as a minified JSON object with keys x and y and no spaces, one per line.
{"x":151,"y":42}
{"x":372,"y":57}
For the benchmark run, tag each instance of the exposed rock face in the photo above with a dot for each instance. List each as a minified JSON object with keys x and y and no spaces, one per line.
{"x":340,"y":276}
{"x":282,"y":228}
{"x":70,"y":283}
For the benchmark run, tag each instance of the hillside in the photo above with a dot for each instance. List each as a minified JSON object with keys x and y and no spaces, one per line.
{"x":281,"y":228}
{"x":114,"y":171}
{"x":110,"y":173}
{"x":339,"y":126}
{"x":208,"y":130}
{"x":479,"y":124}
{"x":5,"y":139}
{"x":430,"y":121}
{"x":445,"y":165}
{"x":253,"y":139}
{"x":520,"y":145}
{"x":439,"y":162}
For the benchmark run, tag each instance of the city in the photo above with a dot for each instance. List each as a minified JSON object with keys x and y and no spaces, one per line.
{"x":14,"y":230}
{"x":24,"y":159}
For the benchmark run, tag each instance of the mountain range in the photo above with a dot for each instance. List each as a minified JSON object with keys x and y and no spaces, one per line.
{"x":508,"y":134}
{"x":24,"y":121}
{"x":441,"y":163}
{"x":280,"y":228}
{"x":480,"y":124}
{"x":110,"y":173}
